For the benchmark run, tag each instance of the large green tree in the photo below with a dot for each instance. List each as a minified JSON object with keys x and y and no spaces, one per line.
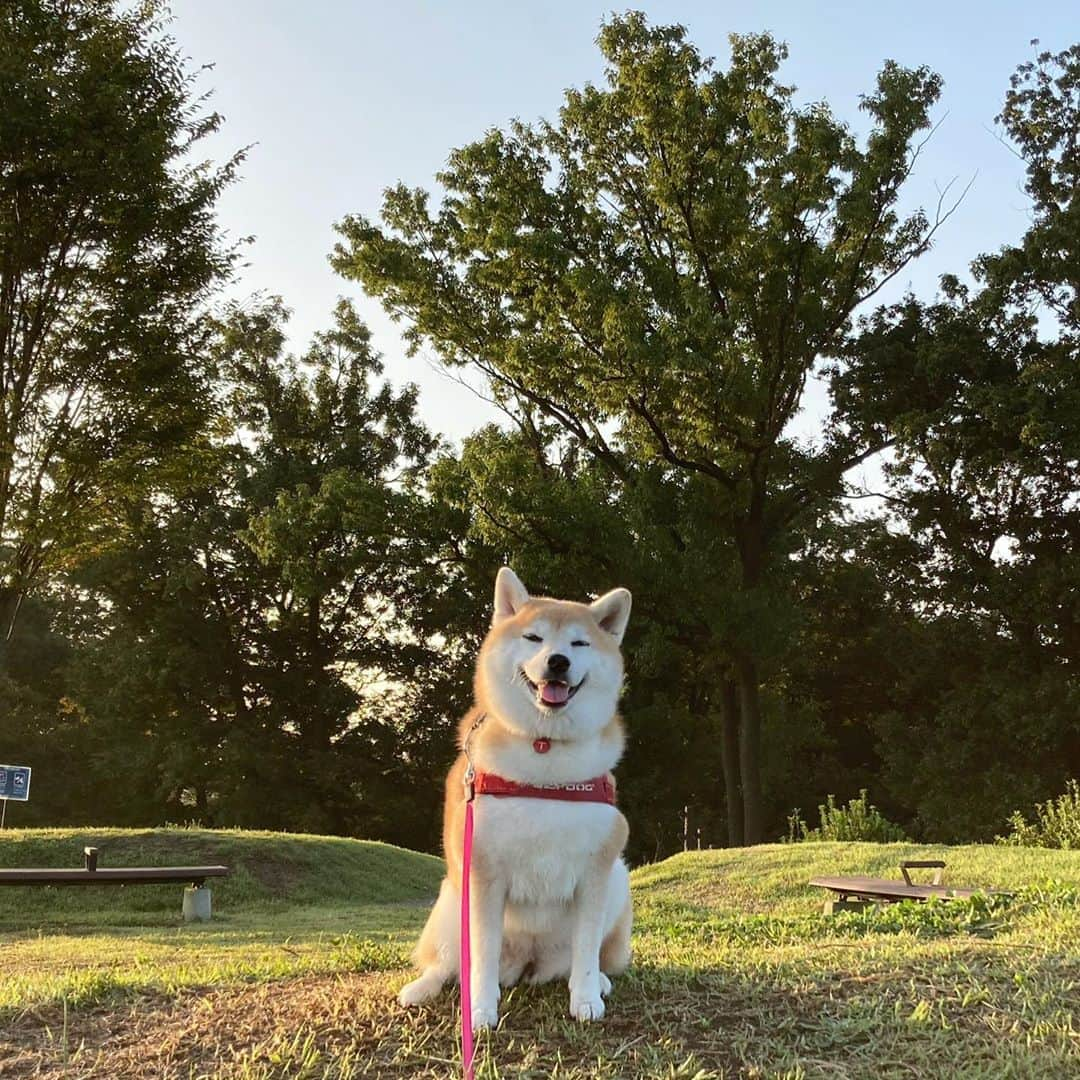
{"x":108,"y":247}
{"x":659,"y":272}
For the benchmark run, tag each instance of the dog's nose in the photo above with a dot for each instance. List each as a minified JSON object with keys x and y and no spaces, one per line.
{"x":558,"y":664}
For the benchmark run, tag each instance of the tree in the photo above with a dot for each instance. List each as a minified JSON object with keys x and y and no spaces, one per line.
{"x":39,"y":724}
{"x":659,"y":272}
{"x":980,"y":393}
{"x":108,"y":246}
{"x":268,"y":606}
{"x":515,"y":492}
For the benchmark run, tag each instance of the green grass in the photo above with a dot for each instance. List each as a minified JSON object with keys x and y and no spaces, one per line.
{"x":736,"y":973}
{"x":771,"y":879}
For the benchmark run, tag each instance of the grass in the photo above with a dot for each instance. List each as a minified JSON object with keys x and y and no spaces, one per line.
{"x":736,"y":973}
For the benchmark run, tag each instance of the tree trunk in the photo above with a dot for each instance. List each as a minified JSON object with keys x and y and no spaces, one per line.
{"x":750,"y":537}
{"x":729,"y":750}
{"x":11,"y":598}
{"x":750,"y":751}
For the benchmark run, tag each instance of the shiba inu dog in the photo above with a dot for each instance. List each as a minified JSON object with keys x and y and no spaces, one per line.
{"x":549,"y":892}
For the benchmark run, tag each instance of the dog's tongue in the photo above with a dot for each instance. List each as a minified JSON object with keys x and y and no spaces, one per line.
{"x":554,"y":693}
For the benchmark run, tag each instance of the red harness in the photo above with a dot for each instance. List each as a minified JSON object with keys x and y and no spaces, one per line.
{"x":600,"y":789}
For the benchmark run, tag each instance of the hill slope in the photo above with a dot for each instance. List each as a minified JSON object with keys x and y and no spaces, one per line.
{"x":772,"y":878}
{"x":268,"y":870}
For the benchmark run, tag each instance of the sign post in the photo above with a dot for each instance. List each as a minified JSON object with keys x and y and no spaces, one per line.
{"x":14,"y":785}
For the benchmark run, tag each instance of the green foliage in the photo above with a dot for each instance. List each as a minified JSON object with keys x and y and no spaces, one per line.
{"x":859,"y":820}
{"x":267,"y":618}
{"x":980,"y":392}
{"x":239,"y":572}
{"x":515,"y":492}
{"x":1056,"y":824}
{"x":109,"y":250}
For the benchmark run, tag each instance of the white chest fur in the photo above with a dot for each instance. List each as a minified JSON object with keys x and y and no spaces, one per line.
{"x":540,"y":848}
{"x":564,"y":762}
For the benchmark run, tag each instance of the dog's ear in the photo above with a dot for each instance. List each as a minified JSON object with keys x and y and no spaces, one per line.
{"x":510,"y":595}
{"x":612,"y":612}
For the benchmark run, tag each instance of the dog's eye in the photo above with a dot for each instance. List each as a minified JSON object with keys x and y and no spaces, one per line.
{"x":576,"y":644}
{"x":532,"y":637}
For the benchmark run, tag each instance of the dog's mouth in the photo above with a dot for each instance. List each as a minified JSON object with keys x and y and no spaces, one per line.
{"x":552,"y":693}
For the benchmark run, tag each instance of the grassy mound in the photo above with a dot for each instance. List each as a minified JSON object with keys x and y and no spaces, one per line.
{"x":771,"y":879}
{"x":269,"y":870}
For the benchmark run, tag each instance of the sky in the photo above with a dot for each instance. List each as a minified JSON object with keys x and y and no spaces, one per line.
{"x":339,"y":99}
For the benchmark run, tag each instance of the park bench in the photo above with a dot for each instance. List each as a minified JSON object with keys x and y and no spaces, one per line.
{"x":196,"y":895}
{"x":854,"y":893}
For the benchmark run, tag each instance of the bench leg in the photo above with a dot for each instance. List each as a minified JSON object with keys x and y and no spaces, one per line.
{"x":834,"y":906}
{"x":196,"y":903}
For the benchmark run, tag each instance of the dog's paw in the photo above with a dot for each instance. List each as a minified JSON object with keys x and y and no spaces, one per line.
{"x":605,"y":985}
{"x":585,"y":1007}
{"x":484,"y":1016}
{"x":419,"y":991}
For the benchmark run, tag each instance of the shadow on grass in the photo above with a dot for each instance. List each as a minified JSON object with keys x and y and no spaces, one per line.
{"x":967,"y":1011}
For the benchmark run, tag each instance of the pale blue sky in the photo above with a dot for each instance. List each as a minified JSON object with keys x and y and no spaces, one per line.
{"x":342,"y":99}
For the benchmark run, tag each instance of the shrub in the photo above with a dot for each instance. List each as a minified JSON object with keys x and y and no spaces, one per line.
{"x":859,"y":820}
{"x":1056,"y":824}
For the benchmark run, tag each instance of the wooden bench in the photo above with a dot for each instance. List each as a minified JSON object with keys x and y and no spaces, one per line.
{"x":854,"y":893}
{"x":193,"y":876}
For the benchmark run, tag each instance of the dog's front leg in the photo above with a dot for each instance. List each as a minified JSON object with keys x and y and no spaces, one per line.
{"x":487,"y":899}
{"x":586,"y":1001}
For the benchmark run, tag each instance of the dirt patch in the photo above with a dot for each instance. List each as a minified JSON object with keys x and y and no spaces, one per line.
{"x":196,"y":1033}
{"x":278,"y":877}
{"x":350,"y":1026}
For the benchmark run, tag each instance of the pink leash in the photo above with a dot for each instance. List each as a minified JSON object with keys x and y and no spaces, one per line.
{"x":467,"y":1048}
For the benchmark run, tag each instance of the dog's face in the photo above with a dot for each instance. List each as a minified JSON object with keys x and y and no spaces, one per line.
{"x":552,"y":667}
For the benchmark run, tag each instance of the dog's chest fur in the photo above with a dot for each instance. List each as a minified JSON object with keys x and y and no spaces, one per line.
{"x":541,"y":848}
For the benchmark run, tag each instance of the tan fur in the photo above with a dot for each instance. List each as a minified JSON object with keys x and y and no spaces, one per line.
{"x":615,"y":950}
{"x":426,"y":954}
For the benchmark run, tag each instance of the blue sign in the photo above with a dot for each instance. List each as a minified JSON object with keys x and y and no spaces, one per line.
{"x":15,"y":782}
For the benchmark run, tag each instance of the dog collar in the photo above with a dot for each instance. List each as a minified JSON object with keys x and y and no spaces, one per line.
{"x":600,"y":789}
